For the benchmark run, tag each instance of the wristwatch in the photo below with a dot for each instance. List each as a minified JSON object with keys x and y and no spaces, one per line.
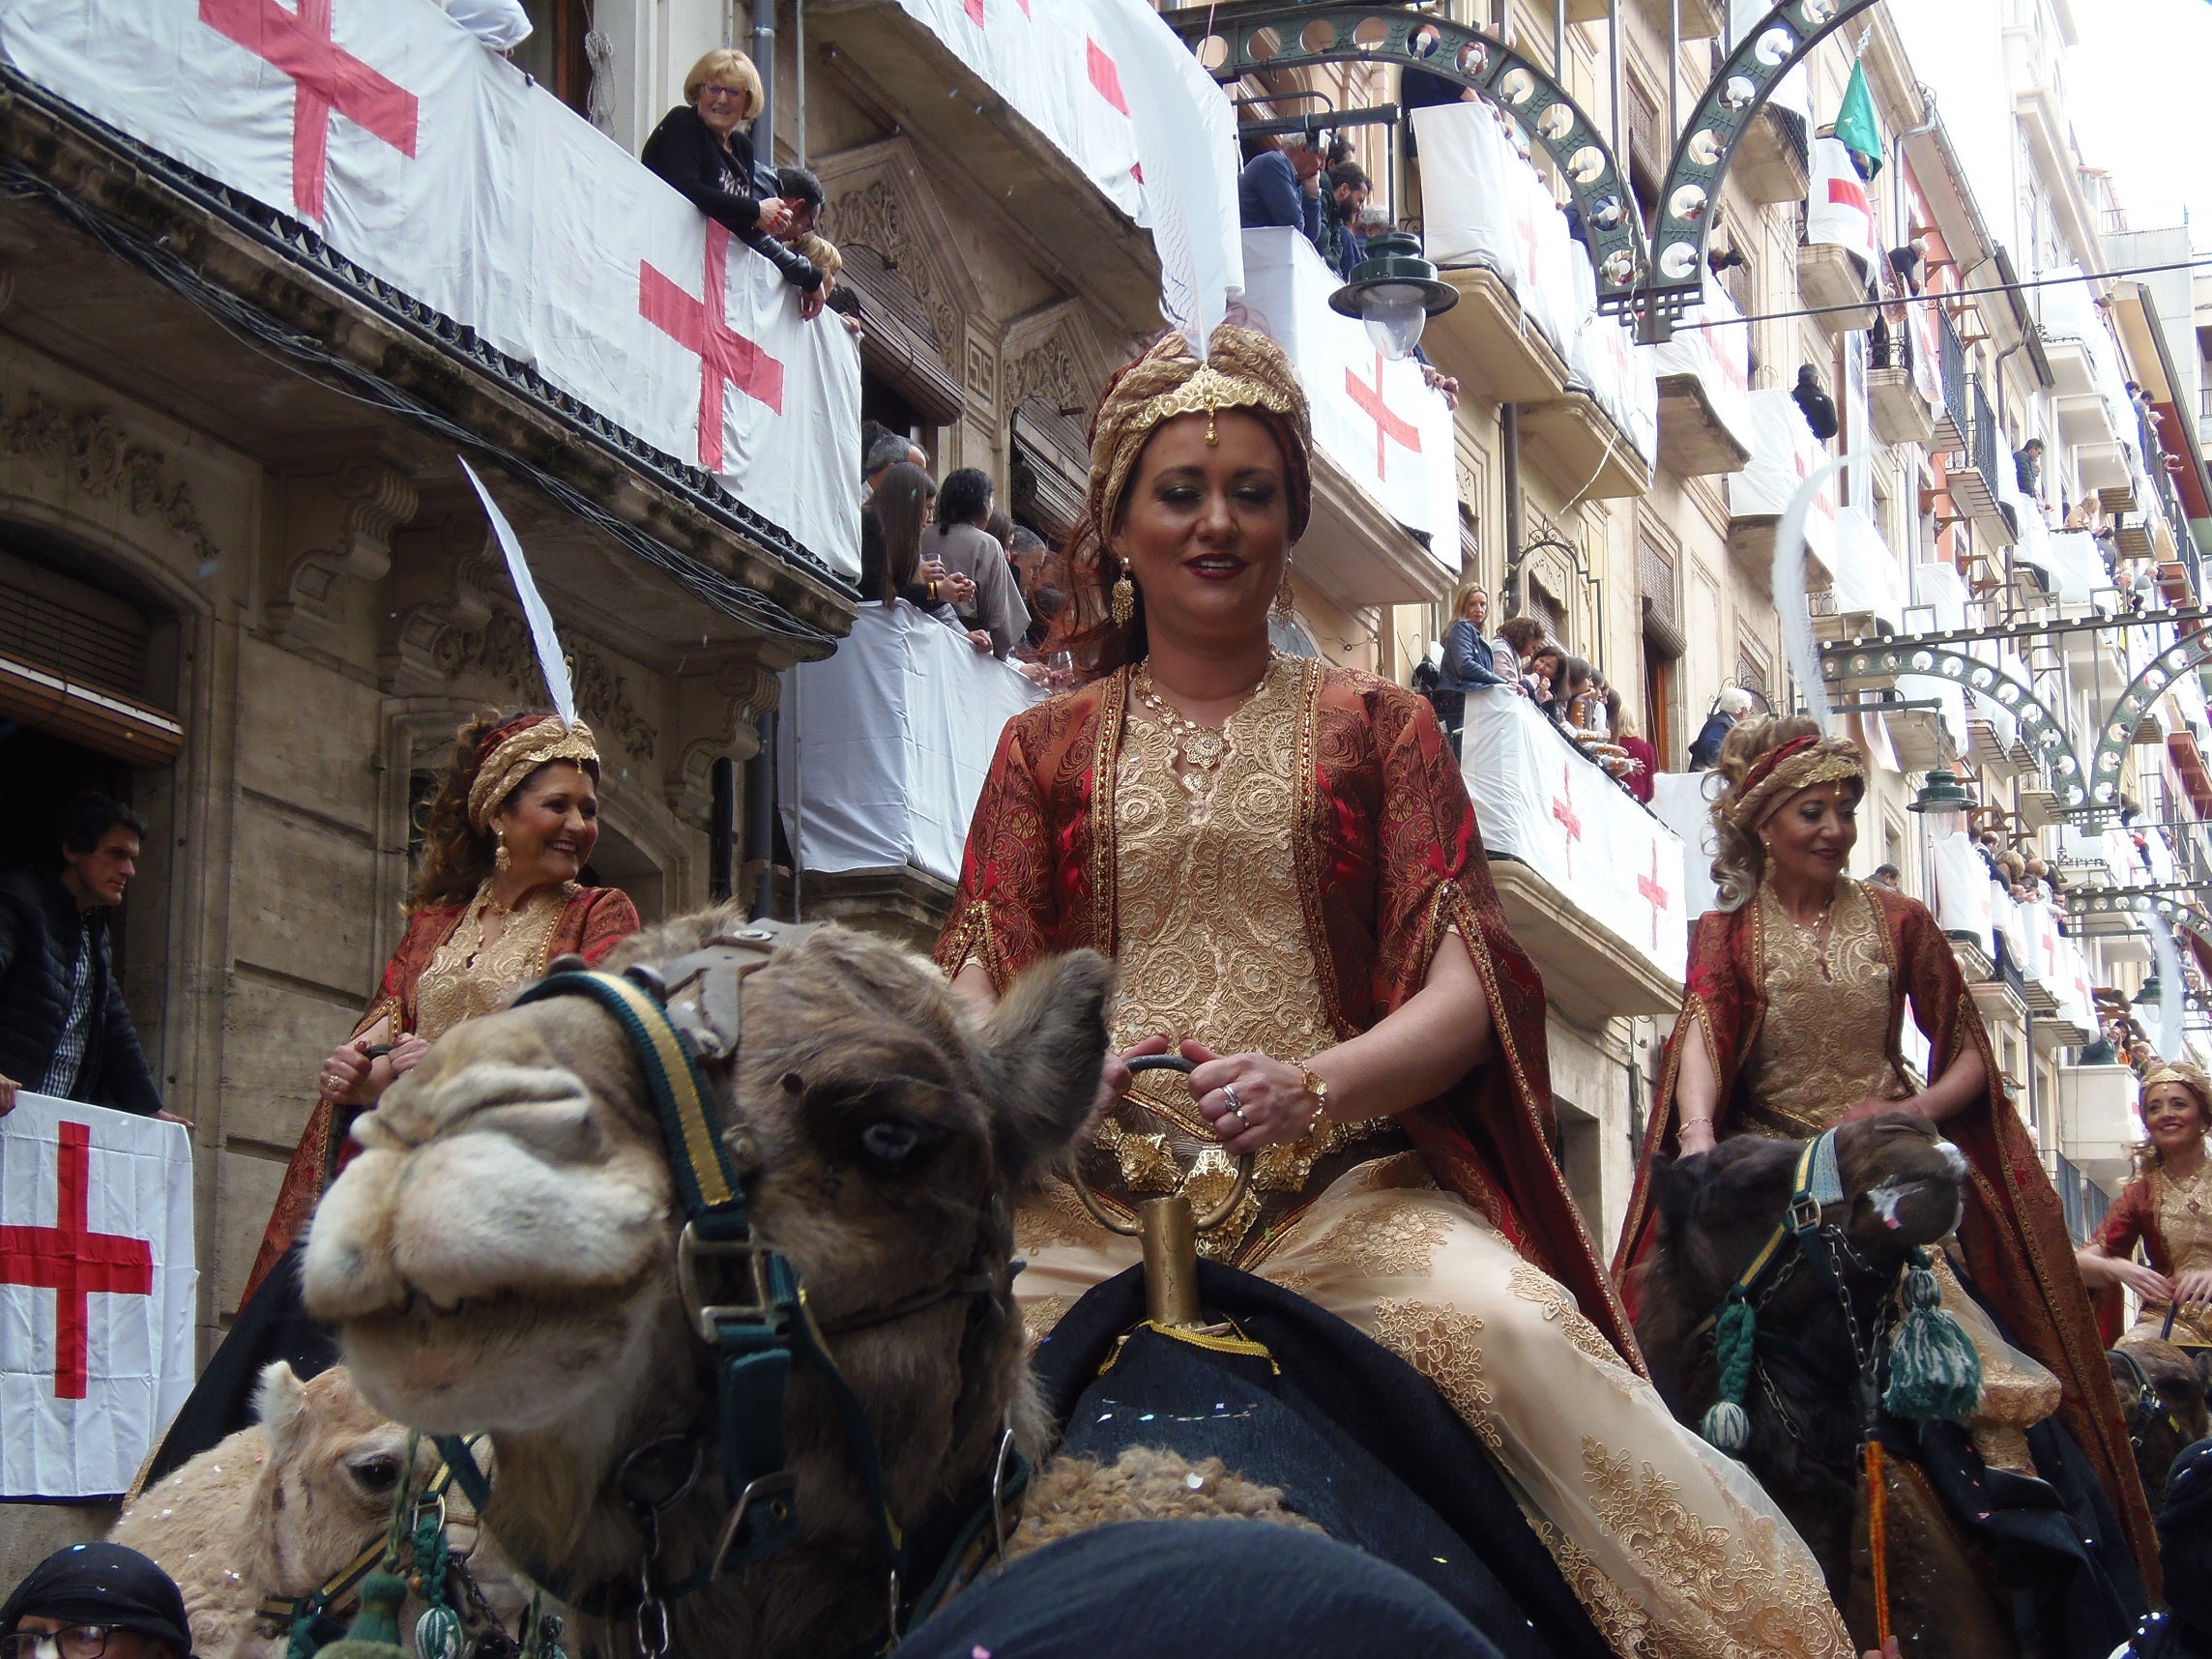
{"x":1316,"y":1085}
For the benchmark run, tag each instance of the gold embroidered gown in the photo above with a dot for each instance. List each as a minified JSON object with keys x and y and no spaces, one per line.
{"x":1824,"y":1046}
{"x":1671,"y":1546}
{"x":2172,"y":1221}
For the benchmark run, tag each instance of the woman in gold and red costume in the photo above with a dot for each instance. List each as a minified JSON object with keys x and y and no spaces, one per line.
{"x":1797,"y":995}
{"x":2167,"y":1209}
{"x":1282,"y":858}
{"x":504,"y":843}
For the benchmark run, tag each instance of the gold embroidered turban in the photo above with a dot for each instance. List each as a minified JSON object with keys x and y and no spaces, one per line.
{"x":510,"y":753}
{"x":1799,"y":765}
{"x":1245,"y":370}
{"x":2190,"y":1077}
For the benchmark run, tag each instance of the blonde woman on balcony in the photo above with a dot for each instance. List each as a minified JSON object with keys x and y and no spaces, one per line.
{"x":1281,"y":856}
{"x":703,"y":150}
{"x":2167,"y":1210}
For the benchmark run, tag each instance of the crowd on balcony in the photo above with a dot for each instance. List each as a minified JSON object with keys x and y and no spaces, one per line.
{"x":1570,"y":692}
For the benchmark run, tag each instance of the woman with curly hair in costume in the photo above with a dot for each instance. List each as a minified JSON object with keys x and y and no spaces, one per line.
{"x":1281,"y":857}
{"x":1796,"y":1000}
{"x":498,"y":896}
{"x":2167,"y":1210}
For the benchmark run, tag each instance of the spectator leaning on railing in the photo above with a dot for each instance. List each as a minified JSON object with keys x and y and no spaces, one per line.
{"x":892,"y":566}
{"x":964,"y":547}
{"x":701,"y":147}
{"x":64,"y":1029}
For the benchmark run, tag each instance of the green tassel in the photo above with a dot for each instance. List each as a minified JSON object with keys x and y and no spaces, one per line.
{"x":1933,"y":1370}
{"x":376,"y":1631}
{"x":438,"y":1633}
{"x":1728,"y":1425}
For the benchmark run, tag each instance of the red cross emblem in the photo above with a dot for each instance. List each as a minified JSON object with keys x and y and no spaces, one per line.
{"x":329,"y":80}
{"x":75,"y":1262}
{"x":975,"y":11}
{"x":1531,"y":247}
{"x":1564,"y":810}
{"x":726,"y":358}
{"x":1848,"y":193}
{"x":1653,"y":893}
{"x":1103,"y":75}
{"x":1387,"y":426}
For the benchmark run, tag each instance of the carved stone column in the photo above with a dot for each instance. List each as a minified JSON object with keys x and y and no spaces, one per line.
{"x":333,"y":526}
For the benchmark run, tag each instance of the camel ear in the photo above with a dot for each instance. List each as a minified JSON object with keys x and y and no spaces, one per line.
{"x":1042,"y":1049}
{"x":281,"y":1404}
{"x":1675,"y":1183}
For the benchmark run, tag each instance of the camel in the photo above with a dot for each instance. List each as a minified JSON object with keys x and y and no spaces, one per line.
{"x":502,"y":1256}
{"x":2161,"y":1392}
{"x":278,"y":1509}
{"x":1902,"y":1186}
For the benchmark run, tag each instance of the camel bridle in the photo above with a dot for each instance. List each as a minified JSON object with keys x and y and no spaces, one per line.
{"x":745,"y":1302}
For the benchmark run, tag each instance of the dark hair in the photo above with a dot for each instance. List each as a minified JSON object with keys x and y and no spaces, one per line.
{"x":84,"y":823}
{"x":1577,"y":671}
{"x":900,"y":510}
{"x":456,"y":855}
{"x":888,"y":448}
{"x":1000,"y":529}
{"x":1523,"y":633}
{"x":798,"y":184}
{"x":964,"y":498}
{"x":1048,"y":603}
{"x":1887,"y":870}
{"x":1349,"y":173}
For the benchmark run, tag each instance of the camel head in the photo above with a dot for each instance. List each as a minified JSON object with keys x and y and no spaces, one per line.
{"x":501,"y":1254}
{"x":334,"y":1470}
{"x":1903,"y":1187}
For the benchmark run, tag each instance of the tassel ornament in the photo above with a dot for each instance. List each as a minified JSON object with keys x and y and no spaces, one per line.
{"x":1727,"y":1425}
{"x":1933,"y":1370}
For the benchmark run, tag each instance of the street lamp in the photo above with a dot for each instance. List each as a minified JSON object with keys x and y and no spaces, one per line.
{"x":1394,"y":291}
{"x":1943,"y":800}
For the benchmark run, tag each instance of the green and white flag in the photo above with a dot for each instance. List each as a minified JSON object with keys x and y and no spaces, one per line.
{"x":1856,"y":126}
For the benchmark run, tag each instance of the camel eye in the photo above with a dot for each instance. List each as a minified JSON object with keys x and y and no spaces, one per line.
{"x":377,"y":1475}
{"x":893,"y":1141}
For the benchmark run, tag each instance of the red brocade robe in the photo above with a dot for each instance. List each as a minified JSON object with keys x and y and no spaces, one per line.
{"x":595,"y":920}
{"x":1388,"y":861}
{"x":2014,"y":1233}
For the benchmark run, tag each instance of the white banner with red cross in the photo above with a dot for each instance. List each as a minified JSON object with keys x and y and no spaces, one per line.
{"x":1784,"y":455}
{"x":1376,"y":419}
{"x":1712,"y":343}
{"x":97,"y":1288}
{"x":1837,"y":207}
{"x":1544,"y":803}
{"x":443,"y":169}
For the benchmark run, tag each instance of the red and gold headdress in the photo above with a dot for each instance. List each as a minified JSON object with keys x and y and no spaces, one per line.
{"x":1800,"y":763}
{"x":510,"y":753}
{"x":1243,"y":369}
{"x":2190,"y":1077}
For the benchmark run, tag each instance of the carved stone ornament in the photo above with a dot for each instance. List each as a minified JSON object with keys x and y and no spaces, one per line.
{"x":502,"y":649}
{"x":1049,"y":371}
{"x":91,"y":451}
{"x":337,"y":524}
{"x":872,"y":212}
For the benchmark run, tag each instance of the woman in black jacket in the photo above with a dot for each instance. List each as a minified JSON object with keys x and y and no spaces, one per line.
{"x":703,"y":149}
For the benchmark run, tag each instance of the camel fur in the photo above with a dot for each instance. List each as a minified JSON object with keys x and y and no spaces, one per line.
{"x":502,"y":1257}
{"x":275,"y":1509}
{"x":2178,"y":1417}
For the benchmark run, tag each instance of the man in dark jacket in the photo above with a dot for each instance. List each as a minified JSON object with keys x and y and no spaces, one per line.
{"x":64,"y":1029}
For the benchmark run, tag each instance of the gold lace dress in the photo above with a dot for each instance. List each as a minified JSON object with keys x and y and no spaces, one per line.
{"x":467,"y":978}
{"x":2185,"y":1222}
{"x":1824,"y":1046}
{"x":1671,"y":1546}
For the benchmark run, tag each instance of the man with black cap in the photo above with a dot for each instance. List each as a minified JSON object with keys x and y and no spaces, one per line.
{"x":96,"y":1601}
{"x":2184,"y":1630}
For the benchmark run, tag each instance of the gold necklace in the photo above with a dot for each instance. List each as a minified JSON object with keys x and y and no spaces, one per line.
{"x":1201,"y":749}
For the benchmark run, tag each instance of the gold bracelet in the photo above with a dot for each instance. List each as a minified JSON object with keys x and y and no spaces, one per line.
{"x":1317,"y":1087}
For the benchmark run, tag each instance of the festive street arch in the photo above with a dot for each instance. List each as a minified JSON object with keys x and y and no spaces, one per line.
{"x":1769,"y":50}
{"x":2041,"y":729}
{"x":2118,"y":730}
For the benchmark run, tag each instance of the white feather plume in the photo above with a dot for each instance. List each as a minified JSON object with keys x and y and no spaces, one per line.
{"x":2171,"y":1011}
{"x":1789,"y":604}
{"x":550,"y":662}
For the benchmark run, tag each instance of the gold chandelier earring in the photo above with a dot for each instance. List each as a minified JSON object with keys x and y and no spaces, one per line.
{"x":1124,"y":597}
{"x":1285,"y":596}
{"x":502,"y":861}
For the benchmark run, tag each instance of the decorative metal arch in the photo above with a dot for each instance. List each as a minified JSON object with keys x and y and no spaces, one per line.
{"x":1285,"y":37}
{"x":2118,"y":901}
{"x":1732,"y":102}
{"x":2126,"y":713}
{"x":2037,"y":724}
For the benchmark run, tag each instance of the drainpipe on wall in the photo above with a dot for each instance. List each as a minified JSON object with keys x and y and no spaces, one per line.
{"x":764,"y":60}
{"x":1516,"y":530}
{"x":760,"y":819}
